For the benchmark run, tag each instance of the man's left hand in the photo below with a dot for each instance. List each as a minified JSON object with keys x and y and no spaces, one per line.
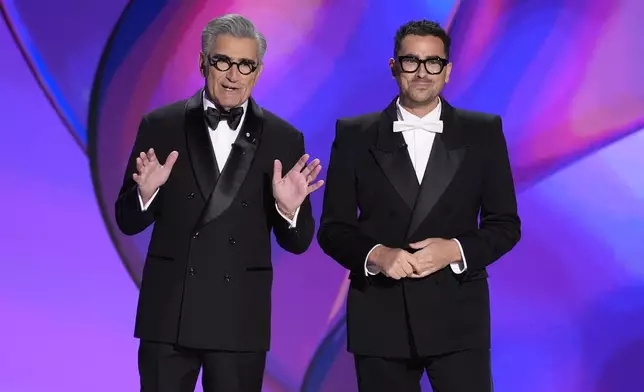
{"x":434,"y":254}
{"x":291,"y":190}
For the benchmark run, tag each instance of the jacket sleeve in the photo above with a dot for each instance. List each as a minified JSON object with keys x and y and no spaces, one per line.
{"x":340,"y":236}
{"x":294,"y":239}
{"x":130,"y":217}
{"x":500,"y":227}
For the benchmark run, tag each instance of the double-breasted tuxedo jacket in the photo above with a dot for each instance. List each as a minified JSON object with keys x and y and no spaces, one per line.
{"x":372,"y":197}
{"x":208,"y":274}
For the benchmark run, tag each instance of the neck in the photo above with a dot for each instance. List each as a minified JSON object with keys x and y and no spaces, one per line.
{"x":419,"y":109}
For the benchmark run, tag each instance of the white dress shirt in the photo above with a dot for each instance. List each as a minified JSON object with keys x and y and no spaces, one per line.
{"x":222,"y":140}
{"x":419,"y":145}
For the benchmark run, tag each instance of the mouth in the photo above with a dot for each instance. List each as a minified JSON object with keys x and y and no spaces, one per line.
{"x":229,"y":88}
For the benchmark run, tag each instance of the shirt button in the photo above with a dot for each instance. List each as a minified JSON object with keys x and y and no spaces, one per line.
{"x":191,"y":195}
{"x":232,"y":241}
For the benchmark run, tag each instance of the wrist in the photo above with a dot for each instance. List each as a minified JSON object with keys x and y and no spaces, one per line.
{"x":375,"y":255}
{"x":146,"y":194}
{"x":286,"y":211}
{"x":456,"y":252}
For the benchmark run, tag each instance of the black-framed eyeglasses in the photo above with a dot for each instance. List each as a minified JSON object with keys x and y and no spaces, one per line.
{"x":223,"y":63}
{"x":433,"y":65}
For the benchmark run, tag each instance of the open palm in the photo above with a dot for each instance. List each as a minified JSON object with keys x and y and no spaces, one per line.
{"x":291,"y":190}
{"x":151,"y":174}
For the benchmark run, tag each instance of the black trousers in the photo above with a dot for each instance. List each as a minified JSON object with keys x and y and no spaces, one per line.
{"x":461,"y":371}
{"x":168,"y":368}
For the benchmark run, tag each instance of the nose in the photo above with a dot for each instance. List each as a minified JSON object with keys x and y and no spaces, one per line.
{"x":232,"y":74}
{"x":422,"y":72}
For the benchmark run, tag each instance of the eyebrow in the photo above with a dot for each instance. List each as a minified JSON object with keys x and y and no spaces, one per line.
{"x":418,"y":57}
{"x":216,"y":55}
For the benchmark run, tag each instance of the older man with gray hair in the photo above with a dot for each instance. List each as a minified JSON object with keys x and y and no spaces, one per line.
{"x":205,"y":298}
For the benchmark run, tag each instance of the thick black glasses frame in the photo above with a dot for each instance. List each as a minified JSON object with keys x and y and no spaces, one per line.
{"x":215,"y":60}
{"x":443,"y":62}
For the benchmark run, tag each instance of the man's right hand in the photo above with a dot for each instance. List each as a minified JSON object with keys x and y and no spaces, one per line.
{"x":394,"y":263}
{"x":151,"y":173}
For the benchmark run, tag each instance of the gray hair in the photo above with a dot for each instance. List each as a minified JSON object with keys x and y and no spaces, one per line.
{"x":236,"y":26}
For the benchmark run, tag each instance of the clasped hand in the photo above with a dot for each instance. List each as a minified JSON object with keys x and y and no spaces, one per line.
{"x":433,"y":255}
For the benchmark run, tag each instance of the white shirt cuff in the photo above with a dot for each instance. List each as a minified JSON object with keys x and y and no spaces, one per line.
{"x":460,"y":266}
{"x":370,"y":269}
{"x":291,"y":222}
{"x":147,"y":205}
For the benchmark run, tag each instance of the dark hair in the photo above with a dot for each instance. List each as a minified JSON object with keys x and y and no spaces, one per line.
{"x":422,"y":28}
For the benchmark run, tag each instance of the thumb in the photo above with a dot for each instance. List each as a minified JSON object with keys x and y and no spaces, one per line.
{"x":277,"y":170}
{"x":420,"y":244}
{"x":171,"y":160}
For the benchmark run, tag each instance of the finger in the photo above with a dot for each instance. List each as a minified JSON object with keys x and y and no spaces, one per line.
{"x":315,"y":187}
{"x":415,"y":261}
{"x":301,"y":163}
{"x":395,"y":274}
{"x":406,"y":267}
{"x":152,"y":156}
{"x":311,"y":177}
{"x":277,"y":171}
{"x":420,"y":244}
{"x":171,"y":160}
{"x":421,"y":275}
{"x":139,"y":164}
{"x":390,"y":273}
{"x":311,"y":167}
{"x":144,"y":158}
{"x":136,"y":178}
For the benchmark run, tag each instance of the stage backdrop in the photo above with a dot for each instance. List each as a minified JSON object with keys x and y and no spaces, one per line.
{"x":565,"y":75}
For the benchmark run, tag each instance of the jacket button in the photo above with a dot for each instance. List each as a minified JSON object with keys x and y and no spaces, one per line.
{"x":232,"y":241}
{"x":244,"y":203}
{"x":227,"y":278}
{"x":191,"y":271}
{"x":196,"y":235}
{"x":191,"y":195}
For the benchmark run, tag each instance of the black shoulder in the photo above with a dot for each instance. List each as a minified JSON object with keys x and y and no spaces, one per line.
{"x":475,"y":117}
{"x":277,"y":124}
{"x":171,"y":111}
{"x":361,"y":122}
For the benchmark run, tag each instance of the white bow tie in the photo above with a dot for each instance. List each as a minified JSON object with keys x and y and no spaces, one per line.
{"x":429,"y":126}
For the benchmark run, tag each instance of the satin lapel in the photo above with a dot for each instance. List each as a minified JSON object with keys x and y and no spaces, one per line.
{"x":202,"y":156}
{"x":390,"y":151}
{"x":444,"y":160}
{"x":237,"y":166}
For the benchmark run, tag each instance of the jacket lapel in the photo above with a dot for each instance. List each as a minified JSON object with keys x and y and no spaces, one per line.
{"x":390,"y":151}
{"x":237,"y":166}
{"x":202,"y":156}
{"x":444,"y":160}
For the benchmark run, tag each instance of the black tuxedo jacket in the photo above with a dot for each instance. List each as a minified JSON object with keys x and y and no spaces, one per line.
{"x":372,"y":197}
{"x":208,"y":274}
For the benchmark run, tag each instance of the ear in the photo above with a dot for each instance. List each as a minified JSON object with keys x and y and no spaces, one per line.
{"x":202,"y":65}
{"x":257,"y":73}
{"x":392,"y":66}
{"x":448,"y":71}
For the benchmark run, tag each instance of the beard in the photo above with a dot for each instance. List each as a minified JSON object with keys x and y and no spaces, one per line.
{"x":420,"y":97}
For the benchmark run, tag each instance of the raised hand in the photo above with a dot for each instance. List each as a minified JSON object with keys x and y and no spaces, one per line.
{"x":291,"y":190}
{"x":151,"y":173}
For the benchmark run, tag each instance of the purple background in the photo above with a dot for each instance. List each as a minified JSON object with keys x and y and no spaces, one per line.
{"x":567,"y":303}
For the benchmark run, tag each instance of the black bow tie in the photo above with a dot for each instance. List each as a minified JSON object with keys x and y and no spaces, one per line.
{"x":232,"y":117}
